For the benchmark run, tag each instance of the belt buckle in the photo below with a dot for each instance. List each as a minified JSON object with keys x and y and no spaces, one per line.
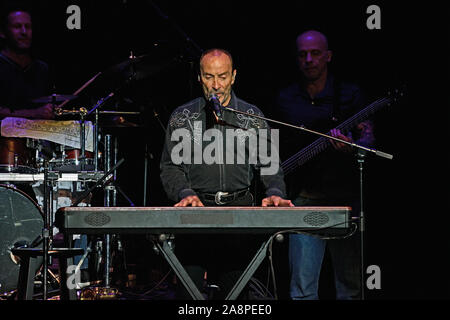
{"x":218,"y":195}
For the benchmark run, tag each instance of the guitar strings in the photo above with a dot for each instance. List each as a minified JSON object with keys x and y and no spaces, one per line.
{"x":321,"y":143}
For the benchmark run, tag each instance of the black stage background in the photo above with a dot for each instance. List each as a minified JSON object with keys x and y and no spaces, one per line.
{"x":406,"y":207}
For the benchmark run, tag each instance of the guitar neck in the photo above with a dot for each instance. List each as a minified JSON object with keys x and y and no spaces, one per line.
{"x":363,"y":114}
{"x":322,"y":143}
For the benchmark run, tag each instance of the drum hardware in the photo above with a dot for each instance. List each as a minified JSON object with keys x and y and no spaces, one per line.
{"x":83,"y":113}
{"x":95,"y":109}
{"x":96,"y":137}
{"x":68,"y":160}
{"x":109,"y":200}
{"x":60,"y":112}
{"x":81,"y":157}
{"x":47,"y":234}
{"x":97,"y":183}
{"x":107,"y":180}
{"x":45,"y":237}
{"x":83,"y":141}
{"x":16,"y":156}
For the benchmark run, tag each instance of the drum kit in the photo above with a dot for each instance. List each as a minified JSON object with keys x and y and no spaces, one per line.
{"x":39,"y":175}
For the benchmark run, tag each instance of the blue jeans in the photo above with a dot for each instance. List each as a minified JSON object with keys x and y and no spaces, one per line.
{"x":306,"y":254}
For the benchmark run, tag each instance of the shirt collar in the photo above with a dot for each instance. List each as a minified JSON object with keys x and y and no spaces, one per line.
{"x":14,"y":64}
{"x":327,"y":90}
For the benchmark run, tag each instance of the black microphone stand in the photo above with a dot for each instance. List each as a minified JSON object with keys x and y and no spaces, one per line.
{"x":352,"y":144}
{"x":361,"y":154}
{"x":360,"y":158}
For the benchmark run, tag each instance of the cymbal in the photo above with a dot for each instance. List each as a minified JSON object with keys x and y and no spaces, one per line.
{"x":54,"y":98}
{"x":129,"y":71}
{"x":141,"y":67}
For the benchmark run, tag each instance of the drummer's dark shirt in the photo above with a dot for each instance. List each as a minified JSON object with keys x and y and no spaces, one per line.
{"x":18,"y":85}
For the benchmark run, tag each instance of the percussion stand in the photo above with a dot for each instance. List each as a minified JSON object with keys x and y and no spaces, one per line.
{"x":47,"y":233}
{"x":108,"y":193}
{"x":96,"y":133}
{"x":110,"y":198}
{"x":83,"y":141}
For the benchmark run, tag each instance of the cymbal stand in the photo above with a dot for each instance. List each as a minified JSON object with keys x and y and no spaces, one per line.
{"x":96,"y":132}
{"x":95,"y":109}
{"x":83,"y":141}
{"x":47,"y":230}
{"x":100,"y":103}
{"x":110,"y":198}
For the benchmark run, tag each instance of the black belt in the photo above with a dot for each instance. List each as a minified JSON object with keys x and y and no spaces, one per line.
{"x":223,"y":197}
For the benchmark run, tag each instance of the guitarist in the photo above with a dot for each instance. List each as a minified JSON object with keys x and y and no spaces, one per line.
{"x":320,"y":102}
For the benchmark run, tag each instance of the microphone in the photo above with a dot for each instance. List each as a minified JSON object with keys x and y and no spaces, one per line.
{"x":216,"y":104}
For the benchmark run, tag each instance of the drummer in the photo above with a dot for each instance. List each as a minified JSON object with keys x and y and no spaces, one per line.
{"x":22,"y":76}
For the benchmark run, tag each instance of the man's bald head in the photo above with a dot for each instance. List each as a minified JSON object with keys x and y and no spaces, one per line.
{"x":313,"y":35}
{"x":211,"y":53}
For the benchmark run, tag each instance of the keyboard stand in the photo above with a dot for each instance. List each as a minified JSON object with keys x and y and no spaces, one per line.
{"x":249,"y":271}
{"x":192,"y":288}
{"x":179,"y":270}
